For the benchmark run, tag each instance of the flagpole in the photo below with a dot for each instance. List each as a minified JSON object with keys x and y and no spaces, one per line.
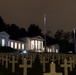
{"x":45,"y":31}
{"x":75,"y":40}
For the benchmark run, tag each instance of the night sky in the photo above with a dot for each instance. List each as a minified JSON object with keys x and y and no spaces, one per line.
{"x":61,"y":14}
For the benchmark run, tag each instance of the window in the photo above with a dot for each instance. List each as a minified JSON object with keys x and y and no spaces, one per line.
{"x":11,"y":44}
{"x":22,"y":46}
{"x":3,"y":42}
{"x":15,"y":45}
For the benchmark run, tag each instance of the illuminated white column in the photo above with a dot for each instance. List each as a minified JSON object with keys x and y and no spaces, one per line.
{"x":11,"y":44}
{"x":40,"y":44}
{"x":37,"y":45}
{"x":48,"y":49}
{"x":32,"y":45}
{"x":22,"y":46}
{"x":15,"y":45}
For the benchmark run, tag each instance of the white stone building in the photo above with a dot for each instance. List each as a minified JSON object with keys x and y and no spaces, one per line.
{"x":53,"y":48}
{"x":33,"y":43}
{"x":5,"y":41}
{"x":26,"y":43}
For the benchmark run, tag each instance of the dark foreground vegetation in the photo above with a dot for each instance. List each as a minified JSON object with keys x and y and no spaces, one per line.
{"x":8,"y":50}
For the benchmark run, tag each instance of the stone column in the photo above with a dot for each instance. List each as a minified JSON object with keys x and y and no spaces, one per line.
{"x":37,"y":45}
{"x":34,"y":45}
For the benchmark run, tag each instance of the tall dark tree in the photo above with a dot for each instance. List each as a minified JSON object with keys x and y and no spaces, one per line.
{"x":34,"y":30}
{"x":49,"y":38}
{"x":59,"y":35}
{"x":2,"y":24}
{"x":14,"y":31}
{"x":23,"y":32}
{"x":65,"y":40}
{"x":68,"y":36}
{"x":8,"y":28}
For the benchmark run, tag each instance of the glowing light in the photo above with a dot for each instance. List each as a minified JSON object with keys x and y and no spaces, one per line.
{"x":24,"y":51}
{"x":56,"y":50}
{"x":52,"y":63}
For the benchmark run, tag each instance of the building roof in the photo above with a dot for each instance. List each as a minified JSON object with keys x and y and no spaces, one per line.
{"x":36,"y":37}
{"x":32,"y":38}
{"x":4,"y":33}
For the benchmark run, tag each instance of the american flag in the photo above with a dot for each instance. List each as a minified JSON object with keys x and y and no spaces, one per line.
{"x":44,"y":18}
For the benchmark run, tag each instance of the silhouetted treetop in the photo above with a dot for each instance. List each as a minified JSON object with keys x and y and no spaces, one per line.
{"x":2,"y":24}
{"x":59,"y":35}
{"x":34,"y":30}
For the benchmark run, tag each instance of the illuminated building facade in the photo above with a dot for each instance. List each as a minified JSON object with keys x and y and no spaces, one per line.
{"x":26,"y":43}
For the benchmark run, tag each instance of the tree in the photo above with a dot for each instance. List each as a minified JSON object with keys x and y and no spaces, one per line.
{"x":23,"y":32}
{"x":67,"y":36}
{"x":14,"y":31}
{"x":34,"y":30}
{"x":2,"y":24}
{"x":59,"y":35}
